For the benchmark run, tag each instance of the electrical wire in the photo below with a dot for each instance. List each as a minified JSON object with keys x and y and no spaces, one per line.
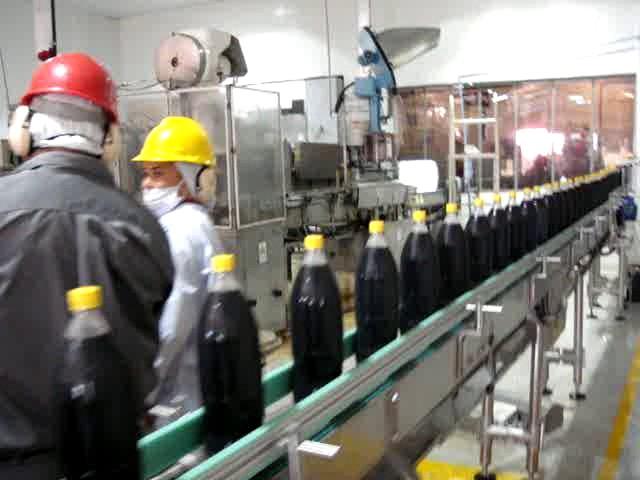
{"x":4,"y":78}
{"x":340,"y":100}
{"x":328,"y":35}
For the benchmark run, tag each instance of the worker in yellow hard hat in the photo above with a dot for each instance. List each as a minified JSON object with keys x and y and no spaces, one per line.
{"x":175,"y":157}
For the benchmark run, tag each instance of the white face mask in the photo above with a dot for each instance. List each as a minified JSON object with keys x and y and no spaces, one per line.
{"x":162,"y":200}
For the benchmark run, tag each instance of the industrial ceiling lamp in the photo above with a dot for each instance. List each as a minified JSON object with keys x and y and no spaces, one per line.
{"x":403,"y":45}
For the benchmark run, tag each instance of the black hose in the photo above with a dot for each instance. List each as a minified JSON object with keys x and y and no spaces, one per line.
{"x":54,"y":30}
{"x":340,"y":100}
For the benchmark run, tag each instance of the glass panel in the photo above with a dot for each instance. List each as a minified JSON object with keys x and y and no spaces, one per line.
{"x":139,"y":113}
{"x":427,"y":135}
{"x":208,"y":106}
{"x":616,"y":104}
{"x":259,"y":169}
{"x":572,"y":129}
{"x":533,"y":137}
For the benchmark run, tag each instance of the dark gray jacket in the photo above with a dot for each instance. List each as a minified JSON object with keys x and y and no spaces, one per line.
{"x":55,"y":209}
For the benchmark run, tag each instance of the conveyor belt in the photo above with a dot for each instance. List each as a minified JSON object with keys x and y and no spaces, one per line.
{"x":427,"y":353}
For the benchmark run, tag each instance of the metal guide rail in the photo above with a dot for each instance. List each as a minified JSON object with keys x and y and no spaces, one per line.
{"x":451,"y":345}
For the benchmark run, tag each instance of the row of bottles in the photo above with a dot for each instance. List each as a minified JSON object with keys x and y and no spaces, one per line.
{"x":432,"y":274}
{"x":99,"y":426}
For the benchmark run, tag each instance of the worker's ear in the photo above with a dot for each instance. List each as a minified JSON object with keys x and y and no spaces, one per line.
{"x":112,"y":144}
{"x":19,"y":135}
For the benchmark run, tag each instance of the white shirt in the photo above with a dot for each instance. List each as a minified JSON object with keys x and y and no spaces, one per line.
{"x":193,"y":241}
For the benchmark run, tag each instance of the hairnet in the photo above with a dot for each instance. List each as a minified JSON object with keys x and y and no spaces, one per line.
{"x":190,"y":172}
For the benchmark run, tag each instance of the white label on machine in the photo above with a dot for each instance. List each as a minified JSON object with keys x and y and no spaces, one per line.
{"x":262,"y":253}
{"x":317,"y":449}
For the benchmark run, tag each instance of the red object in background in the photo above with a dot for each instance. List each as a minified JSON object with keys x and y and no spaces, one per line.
{"x":46,"y":54}
{"x":75,"y":74}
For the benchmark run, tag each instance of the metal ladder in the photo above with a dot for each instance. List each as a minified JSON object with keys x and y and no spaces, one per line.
{"x":454,"y":157}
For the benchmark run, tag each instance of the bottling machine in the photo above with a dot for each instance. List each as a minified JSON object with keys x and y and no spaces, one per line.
{"x":286,"y":170}
{"x":328,"y":163}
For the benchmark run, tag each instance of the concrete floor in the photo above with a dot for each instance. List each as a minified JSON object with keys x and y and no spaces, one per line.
{"x":599,"y":439}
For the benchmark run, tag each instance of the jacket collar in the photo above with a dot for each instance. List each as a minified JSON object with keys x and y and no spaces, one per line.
{"x":81,"y":163}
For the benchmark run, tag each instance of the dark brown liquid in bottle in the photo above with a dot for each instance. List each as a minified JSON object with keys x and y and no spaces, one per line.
{"x":316,"y":329}
{"x":230,"y":369}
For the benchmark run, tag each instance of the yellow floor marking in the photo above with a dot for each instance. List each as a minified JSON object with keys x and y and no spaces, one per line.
{"x":430,"y":470}
{"x":615,"y":447}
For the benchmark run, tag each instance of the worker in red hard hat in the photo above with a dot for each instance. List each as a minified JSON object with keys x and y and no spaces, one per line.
{"x":64,"y":224}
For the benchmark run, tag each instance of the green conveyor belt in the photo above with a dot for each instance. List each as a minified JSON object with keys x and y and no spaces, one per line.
{"x":164,"y":447}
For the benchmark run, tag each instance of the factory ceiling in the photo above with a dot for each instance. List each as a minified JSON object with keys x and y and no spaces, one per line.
{"x":125,"y":8}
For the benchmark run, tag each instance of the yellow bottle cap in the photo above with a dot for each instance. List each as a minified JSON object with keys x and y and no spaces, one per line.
{"x":527,"y":191}
{"x":478,"y":202}
{"x":314,"y":242}
{"x":536,"y":188}
{"x":223,"y":263}
{"x":497,"y":198}
{"x":451,"y":208}
{"x":84,"y":298}
{"x":419,"y":216}
{"x":376,"y":226}
{"x":512,"y":194}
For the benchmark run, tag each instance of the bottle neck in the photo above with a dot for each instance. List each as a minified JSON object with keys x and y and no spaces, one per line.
{"x":87,"y":324}
{"x":314,"y":258}
{"x":451,"y":218}
{"x":419,"y":227}
{"x":223,"y":282}
{"x":377,"y":240}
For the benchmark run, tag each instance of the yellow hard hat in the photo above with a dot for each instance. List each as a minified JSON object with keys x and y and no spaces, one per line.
{"x":177,"y":139}
{"x":84,"y":298}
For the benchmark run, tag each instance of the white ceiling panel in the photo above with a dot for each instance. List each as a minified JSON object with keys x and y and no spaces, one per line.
{"x":125,"y":8}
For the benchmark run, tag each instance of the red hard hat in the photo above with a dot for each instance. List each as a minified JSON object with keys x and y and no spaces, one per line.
{"x":78,"y":75}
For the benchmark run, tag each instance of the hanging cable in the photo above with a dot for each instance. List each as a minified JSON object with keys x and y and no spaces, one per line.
{"x":340,"y":100}
{"x":328,"y":35}
{"x":4,"y":79}
{"x":54,"y":32}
